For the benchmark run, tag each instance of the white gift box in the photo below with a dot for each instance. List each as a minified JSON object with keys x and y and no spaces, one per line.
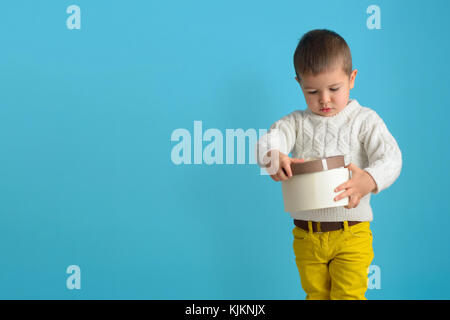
{"x":312,"y":184}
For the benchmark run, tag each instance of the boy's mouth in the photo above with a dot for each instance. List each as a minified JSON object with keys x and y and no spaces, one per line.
{"x":326,"y":109}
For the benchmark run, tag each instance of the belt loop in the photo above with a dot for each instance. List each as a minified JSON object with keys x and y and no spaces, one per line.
{"x":345,"y":225}
{"x":319,"y":227}
{"x":310,"y":227}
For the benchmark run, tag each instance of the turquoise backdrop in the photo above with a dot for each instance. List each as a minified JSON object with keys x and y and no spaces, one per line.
{"x":86,"y":118}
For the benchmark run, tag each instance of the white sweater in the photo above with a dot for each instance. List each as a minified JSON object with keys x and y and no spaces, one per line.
{"x":356,"y":132}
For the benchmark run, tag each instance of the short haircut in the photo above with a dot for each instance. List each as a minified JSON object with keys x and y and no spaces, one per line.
{"x":321,"y":50}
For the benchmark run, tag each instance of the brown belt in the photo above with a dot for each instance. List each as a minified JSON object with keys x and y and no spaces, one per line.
{"x":324,"y":226}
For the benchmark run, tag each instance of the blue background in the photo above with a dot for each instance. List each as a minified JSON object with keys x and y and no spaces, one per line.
{"x":86,"y":117}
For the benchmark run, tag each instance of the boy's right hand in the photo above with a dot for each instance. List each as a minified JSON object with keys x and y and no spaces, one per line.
{"x":284,"y":171}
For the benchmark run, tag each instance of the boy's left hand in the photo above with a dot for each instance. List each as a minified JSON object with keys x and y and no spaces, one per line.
{"x":357,"y":187}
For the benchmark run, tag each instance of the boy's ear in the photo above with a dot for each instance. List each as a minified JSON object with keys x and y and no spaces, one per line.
{"x":296,"y":78}
{"x":352,"y":78}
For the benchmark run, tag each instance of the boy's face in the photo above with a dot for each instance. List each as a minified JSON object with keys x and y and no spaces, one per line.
{"x":327,"y":94}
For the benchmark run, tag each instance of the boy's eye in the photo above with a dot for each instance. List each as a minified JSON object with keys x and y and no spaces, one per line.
{"x":314,"y":92}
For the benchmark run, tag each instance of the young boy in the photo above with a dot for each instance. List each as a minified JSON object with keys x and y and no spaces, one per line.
{"x":332,"y":246}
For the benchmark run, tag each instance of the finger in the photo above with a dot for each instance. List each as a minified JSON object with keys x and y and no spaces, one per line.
{"x":353,"y":202}
{"x":281,"y":175}
{"x":352,"y":167}
{"x":274,"y":177}
{"x":349,"y":205}
{"x":346,"y":193}
{"x":287,"y":169}
{"x":356,"y":202}
{"x":347,"y":166}
{"x":347,"y":184}
{"x":298,"y":160}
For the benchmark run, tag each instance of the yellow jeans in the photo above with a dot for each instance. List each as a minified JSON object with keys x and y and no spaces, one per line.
{"x":334,"y":265}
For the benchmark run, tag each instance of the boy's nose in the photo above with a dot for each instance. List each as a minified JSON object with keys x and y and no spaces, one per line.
{"x":324,"y":99}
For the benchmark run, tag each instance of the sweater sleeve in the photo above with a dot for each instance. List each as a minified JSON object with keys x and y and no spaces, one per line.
{"x":384,"y":155}
{"x":281,"y":136}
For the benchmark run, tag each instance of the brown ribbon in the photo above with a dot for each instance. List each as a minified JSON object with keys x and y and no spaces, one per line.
{"x":316,"y":165}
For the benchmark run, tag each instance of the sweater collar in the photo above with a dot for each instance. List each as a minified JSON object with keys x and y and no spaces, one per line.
{"x":338,"y":118}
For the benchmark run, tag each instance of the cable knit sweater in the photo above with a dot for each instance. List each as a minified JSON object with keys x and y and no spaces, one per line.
{"x":356,"y":132}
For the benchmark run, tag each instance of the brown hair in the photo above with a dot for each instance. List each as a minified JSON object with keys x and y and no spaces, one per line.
{"x":319,"y":50}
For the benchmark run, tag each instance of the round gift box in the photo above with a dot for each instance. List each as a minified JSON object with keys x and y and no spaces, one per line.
{"x":312,"y":184}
